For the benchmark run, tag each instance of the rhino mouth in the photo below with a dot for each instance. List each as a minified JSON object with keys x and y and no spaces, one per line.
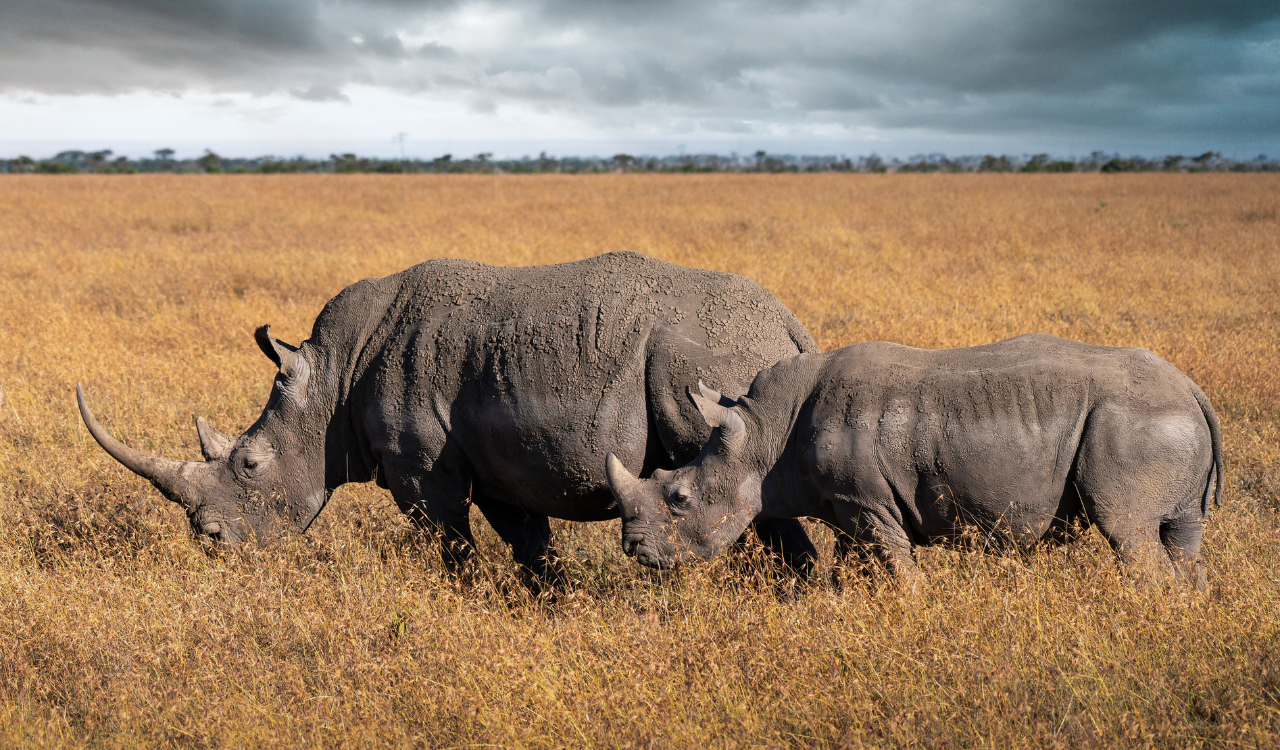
{"x":647,"y":548}
{"x":315,"y":503}
{"x":216,"y":533}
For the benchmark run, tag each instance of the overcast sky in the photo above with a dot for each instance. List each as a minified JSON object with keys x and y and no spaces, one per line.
{"x":895,"y":77}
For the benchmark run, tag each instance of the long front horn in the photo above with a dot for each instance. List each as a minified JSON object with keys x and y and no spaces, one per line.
{"x":626,"y":487}
{"x":170,"y":477}
{"x":621,"y":481}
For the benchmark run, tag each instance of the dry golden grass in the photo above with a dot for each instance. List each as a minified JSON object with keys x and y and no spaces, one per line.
{"x":117,"y":630}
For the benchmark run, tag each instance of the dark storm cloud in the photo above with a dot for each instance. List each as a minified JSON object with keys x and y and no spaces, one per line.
{"x":969,"y":66}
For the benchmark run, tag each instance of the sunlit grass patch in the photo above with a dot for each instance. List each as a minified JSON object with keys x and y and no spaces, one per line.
{"x":117,"y":629}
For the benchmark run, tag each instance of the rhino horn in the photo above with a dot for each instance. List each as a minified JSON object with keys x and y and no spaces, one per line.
{"x":213,"y":444}
{"x":625,"y":486}
{"x":173,"y":478}
{"x":621,"y":481}
{"x":733,"y":431}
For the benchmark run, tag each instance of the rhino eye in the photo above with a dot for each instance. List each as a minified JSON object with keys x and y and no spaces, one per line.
{"x":250,"y":462}
{"x":679,"y":498}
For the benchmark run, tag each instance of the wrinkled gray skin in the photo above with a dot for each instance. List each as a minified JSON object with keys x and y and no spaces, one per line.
{"x":899,"y":447}
{"x":455,"y":380}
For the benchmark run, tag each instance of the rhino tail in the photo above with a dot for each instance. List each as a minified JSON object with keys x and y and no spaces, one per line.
{"x":1214,"y":484}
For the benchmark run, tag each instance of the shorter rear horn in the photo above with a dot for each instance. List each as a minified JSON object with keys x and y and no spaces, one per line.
{"x":213,"y":444}
{"x":733,"y":431}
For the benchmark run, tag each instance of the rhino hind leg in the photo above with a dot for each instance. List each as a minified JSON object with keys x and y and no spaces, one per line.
{"x":1181,"y":537}
{"x":529,"y":536}
{"x":1155,"y":549}
{"x":1142,"y":483}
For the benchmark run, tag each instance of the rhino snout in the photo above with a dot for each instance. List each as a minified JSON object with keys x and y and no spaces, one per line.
{"x":214,"y":533}
{"x":219,"y":532}
{"x":645,"y":557}
{"x":637,"y":544}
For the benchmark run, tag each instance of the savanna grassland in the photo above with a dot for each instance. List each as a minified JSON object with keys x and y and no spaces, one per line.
{"x":118,"y":630}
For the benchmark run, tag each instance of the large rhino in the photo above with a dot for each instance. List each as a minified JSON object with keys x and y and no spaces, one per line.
{"x":899,"y":447}
{"x":455,"y":381}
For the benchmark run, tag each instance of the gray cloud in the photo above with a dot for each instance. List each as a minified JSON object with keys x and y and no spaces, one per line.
{"x":1101,"y":67}
{"x":320,"y":93}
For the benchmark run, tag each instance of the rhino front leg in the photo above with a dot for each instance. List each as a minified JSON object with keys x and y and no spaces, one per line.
{"x":529,"y":536}
{"x":849,"y":555}
{"x":874,"y":534}
{"x":437,"y":503}
{"x":787,"y":543}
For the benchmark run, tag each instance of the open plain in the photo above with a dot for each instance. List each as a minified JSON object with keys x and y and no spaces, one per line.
{"x":118,"y":630}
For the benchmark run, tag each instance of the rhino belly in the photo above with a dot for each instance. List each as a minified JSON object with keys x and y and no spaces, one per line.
{"x":542,"y":454}
{"x":1000,"y":476}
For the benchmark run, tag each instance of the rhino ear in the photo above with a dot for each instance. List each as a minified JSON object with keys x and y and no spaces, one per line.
{"x":714,"y":395}
{"x":277,"y":351}
{"x":733,"y":431}
{"x":213,"y":444}
{"x":710,"y":403}
{"x":284,"y":355}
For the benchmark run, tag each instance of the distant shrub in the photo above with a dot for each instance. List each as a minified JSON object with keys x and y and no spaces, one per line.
{"x":995,"y":164}
{"x":875,"y":165}
{"x":55,"y":167}
{"x":771,"y":164}
{"x":1134,"y":164}
{"x":274,"y":166}
{"x":918,"y":166}
{"x":1060,"y":166}
{"x":1036,"y":163}
{"x":22,"y":165}
{"x":210,"y":162}
{"x":349,"y":163}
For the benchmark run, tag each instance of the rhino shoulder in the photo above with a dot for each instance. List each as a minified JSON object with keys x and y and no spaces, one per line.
{"x":357,"y":314}
{"x":351,"y":308}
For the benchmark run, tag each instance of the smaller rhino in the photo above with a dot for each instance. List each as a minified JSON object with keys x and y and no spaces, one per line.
{"x":1028,"y":440}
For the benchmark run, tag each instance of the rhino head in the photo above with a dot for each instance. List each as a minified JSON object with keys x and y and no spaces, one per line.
{"x":699,"y":509}
{"x":267,"y":482}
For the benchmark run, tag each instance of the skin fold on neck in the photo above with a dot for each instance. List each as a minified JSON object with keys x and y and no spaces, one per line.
{"x":770,"y":410}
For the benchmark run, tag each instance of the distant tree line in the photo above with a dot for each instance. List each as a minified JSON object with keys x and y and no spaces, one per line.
{"x":104,"y":162}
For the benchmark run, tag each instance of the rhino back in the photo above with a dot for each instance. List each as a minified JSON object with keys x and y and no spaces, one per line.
{"x":534,"y":373}
{"x":985,"y":431}
{"x":574,"y":322}
{"x":1030,"y":377}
